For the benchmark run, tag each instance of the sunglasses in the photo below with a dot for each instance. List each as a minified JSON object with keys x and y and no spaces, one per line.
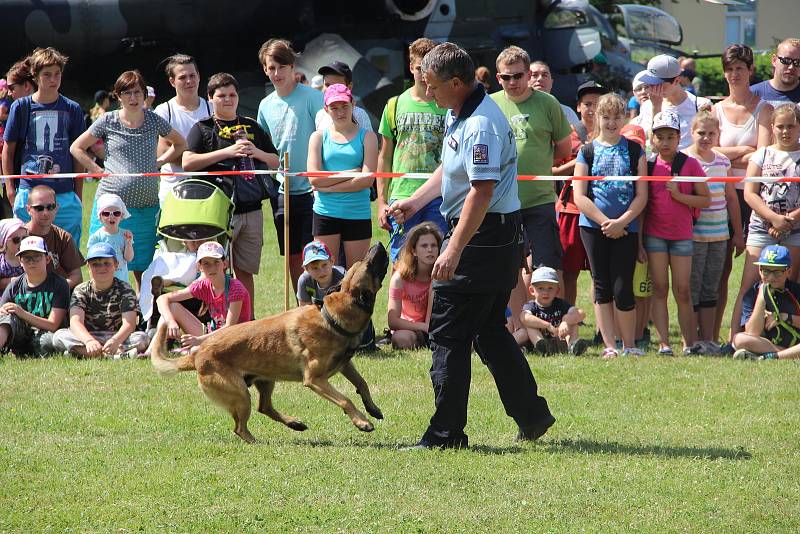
{"x":515,"y":76}
{"x":16,"y":239}
{"x":42,"y":207}
{"x":772,"y":272}
{"x":110,"y":213}
{"x":795,"y":62}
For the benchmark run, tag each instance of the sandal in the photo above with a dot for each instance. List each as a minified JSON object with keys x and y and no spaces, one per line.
{"x":665,"y":351}
{"x":610,"y":353}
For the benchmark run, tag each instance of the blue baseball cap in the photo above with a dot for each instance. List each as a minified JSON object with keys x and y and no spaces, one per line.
{"x":774,"y":256}
{"x":101,"y":250}
{"x":316,"y":250}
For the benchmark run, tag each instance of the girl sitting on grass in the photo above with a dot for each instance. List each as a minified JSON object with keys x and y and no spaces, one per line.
{"x":226,"y":299}
{"x":410,"y":287}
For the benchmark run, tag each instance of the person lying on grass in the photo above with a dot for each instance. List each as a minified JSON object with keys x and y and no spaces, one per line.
{"x":770,"y":311}
{"x":226,"y":298}
{"x":102,"y":312}
{"x":33,"y":305}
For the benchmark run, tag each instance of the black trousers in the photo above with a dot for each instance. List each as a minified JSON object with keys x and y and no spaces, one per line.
{"x":470,"y":310}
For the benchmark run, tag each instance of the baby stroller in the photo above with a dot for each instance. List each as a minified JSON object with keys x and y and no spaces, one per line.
{"x":196,"y":210}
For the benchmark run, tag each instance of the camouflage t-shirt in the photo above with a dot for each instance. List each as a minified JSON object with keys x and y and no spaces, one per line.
{"x":104,"y":309}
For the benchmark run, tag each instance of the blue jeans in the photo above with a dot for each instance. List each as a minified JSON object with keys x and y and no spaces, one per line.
{"x":429,"y":213}
{"x":69,"y":215}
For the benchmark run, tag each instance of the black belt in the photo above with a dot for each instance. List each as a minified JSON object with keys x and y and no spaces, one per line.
{"x":490,"y":219}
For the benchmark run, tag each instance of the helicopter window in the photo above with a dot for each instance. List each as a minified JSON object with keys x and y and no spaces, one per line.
{"x":565,"y":18}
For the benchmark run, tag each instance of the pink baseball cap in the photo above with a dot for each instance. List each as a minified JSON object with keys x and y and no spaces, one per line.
{"x":337,"y":93}
{"x":210,"y":249}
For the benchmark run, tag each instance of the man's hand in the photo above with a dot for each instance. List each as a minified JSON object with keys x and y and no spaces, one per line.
{"x":402,"y":210}
{"x":9,"y":308}
{"x":446,"y":264}
{"x":93,"y":348}
{"x":111,"y":347}
{"x":383,"y":216}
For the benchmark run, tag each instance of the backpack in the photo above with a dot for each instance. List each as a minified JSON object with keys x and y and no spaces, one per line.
{"x":634,"y":152}
{"x":675,"y":170}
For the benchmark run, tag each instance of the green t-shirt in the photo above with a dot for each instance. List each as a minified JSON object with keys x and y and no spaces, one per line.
{"x":537,"y":123}
{"x":418,"y":146}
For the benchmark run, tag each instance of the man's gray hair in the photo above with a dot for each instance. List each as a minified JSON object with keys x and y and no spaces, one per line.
{"x":448,"y":60}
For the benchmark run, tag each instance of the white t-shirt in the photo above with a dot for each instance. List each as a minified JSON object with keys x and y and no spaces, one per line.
{"x":686,"y":111}
{"x":323,"y":120}
{"x":182,"y":121}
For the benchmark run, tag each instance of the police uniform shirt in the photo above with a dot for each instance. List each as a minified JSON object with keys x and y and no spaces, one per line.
{"x":478,"y":145}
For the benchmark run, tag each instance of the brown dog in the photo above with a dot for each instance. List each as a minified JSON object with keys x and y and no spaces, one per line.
{"x":306,"y":344}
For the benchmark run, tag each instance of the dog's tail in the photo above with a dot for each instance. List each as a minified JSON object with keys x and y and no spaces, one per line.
{"x":158,"y":357}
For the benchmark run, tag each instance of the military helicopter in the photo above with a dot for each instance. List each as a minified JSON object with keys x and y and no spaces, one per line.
{"x":106,"y":37}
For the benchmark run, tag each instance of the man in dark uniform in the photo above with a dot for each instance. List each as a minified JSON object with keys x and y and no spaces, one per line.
{"x":480,"y":257}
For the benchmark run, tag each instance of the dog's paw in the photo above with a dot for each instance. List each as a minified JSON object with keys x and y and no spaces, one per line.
{"x":374,"y":411}
{"x":365,"y":426}
{"x":297,"y":425}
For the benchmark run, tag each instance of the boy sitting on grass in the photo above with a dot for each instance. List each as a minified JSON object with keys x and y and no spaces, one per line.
{"x":770,"y":311}
{"x":321,"y":276}
{"x":102,"y":312}
{"x":34,"y":304}
{"x":550,"y":323}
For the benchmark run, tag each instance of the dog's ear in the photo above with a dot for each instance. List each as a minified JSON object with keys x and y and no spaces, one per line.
{"x":365,"y":298}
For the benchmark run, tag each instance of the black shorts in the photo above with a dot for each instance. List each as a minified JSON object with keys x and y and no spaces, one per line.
{"x":542,"y":240}
{"x":300,"y":214}
{"x":349,"y":229}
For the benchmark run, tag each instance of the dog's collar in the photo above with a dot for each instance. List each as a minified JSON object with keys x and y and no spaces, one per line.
{"x":339,"y":329}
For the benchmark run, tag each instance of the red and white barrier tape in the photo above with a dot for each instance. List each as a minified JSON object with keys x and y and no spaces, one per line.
{"x":418,"y":176}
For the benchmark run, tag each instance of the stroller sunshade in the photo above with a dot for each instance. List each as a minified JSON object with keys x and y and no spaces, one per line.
{"x":195,"y":209}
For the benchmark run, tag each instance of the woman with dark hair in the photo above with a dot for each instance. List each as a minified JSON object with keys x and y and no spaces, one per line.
{"x":20,"y":79}
{"x":744,"y":125}
{"x":131,"y":135}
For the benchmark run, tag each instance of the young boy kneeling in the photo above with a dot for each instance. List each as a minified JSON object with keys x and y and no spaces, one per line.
{"x":770,"y":311}
{"x":550,"y":323}
{"x":102,"y":312}
{"x":34,"y":304}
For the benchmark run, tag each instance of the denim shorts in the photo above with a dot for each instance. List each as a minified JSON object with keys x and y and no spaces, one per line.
{"x":673,"y":247}
{"x":763,"y":239}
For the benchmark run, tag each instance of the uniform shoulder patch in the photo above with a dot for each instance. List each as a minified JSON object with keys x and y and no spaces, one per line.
{"x":480,"y":154}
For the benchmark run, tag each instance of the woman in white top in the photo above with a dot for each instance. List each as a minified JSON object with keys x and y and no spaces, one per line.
{"x":181,"y":111}
{"x":745,"y":125}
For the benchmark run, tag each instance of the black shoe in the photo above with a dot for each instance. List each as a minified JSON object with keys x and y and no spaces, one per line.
{"x":423,"y":444}
{"x":542,"y":347}
{"x":535,"y":431}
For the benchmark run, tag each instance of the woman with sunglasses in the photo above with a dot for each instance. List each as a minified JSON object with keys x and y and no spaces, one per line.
{"x":131,"y":136}
{"x":12,"y":231}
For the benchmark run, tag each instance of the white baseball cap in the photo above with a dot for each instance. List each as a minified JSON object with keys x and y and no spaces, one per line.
{"x":659,"y":68}
{"x":210,"y":249}
{"x":637,"y":80}
{"x":666,"y":119}
{"x":32,"y":243}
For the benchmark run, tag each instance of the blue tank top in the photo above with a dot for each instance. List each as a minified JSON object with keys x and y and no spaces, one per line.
{"x":342,"y":157}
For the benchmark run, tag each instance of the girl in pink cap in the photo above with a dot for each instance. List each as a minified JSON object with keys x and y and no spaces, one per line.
{"x":12,"y":231}
{"x":342,"y":212}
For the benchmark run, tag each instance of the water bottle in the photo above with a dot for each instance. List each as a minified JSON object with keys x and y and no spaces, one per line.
{"x":244,"y":163}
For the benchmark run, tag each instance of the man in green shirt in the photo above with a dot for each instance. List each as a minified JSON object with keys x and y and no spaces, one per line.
{"x":542,"y":133}
{"x":412,"y":128}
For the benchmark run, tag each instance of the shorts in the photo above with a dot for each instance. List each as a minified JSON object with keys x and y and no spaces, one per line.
{"x":542,"y":235}
{"x":763,"y":239}
{"x":64,"y":339}
{"x":673,"y":247}
{"x":69,"y":215}
{"x":24,"y":340}
{"x":349,"y":229}
{"x":429,"y":213}
{"x":248,"y":239}
{"x":301,"y":215}
{"x":574,"y":258}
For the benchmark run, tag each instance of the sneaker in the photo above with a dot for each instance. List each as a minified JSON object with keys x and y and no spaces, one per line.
{"x":642,"y":344}
{"x":578,"y":347}
{"x":557,"y":346}
{"x":610,"y":353}
{"x":744,"y":354}
{"x":633,"y":351}
{"x":130,"y":354}
{"x":694,"y":350}
{"x":665,"y":351}
{"x":727,"y":349}
{"x":542,"y":347}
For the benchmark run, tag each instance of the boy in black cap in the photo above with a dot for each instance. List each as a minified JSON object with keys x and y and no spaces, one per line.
{"x":339,"y":72}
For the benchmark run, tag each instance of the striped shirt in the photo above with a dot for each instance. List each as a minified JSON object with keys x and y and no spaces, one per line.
{"x":712,"y":225}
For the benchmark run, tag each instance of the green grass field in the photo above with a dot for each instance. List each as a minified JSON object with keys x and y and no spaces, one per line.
{"x":649,"y":444}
